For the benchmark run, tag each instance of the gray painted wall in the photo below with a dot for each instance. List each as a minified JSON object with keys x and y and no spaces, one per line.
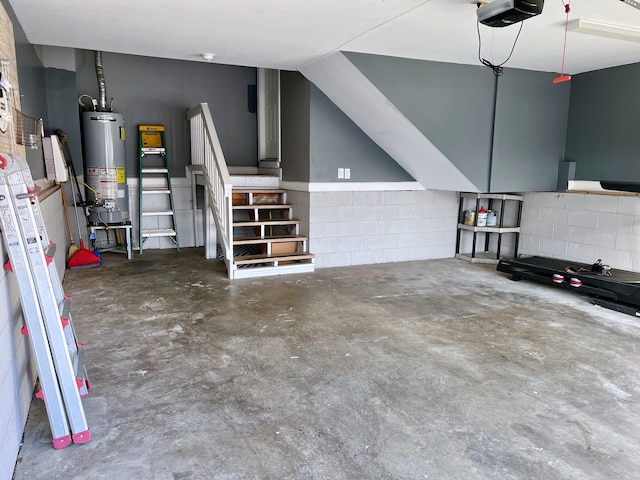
{"x":32,"y":87}
{"x":159,"y":91}
{"x":295,"y":127}
{"x":530,"y":130}
{"x":62,"y":105}
{"x":453,"y":106}
{"x":602,"y":133}
{"x":317,"y":138}
{"x":338,"y":142}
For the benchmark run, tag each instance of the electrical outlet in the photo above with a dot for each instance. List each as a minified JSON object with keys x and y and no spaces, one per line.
{"x":340,"y":172}
{"x":347,"y":173}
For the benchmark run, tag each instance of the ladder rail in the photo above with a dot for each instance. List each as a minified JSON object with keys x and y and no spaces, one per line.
{"x":49,"y":249}
{"x":53,"y":344}
{"x":49,"y":307}
{"x":47,"y":245}
{"x":152,"y":143}
{"x":33,"y":319}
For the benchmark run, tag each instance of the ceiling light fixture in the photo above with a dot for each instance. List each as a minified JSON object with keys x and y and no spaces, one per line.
{"x":564,"y":78}
{"x":208,"y":57}
{"x":603,"y":29}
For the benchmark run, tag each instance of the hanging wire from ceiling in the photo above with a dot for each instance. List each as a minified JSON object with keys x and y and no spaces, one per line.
{"x":497,"y":69}
{"x":563,"y":77}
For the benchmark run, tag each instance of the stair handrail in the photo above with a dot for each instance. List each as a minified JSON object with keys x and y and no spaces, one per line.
{"x":206,"y":151}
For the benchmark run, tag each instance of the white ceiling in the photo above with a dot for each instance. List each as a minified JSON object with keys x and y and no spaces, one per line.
{"x":286,"y":34}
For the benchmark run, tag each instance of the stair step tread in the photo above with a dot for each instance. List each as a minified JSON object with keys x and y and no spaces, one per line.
{"x":263,"y":206}
{"x":274,"y":239}
{"x":281,"y":257}
{"x":257,"y":223}
{"x":159,"y":232}
{"x":258,"y":190}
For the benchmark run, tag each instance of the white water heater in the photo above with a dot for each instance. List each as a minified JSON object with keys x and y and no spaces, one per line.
{"x":104,"y":157}
{"x":105,"y":167}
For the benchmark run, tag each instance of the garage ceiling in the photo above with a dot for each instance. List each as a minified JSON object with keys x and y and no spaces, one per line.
{"x":286,"y":34}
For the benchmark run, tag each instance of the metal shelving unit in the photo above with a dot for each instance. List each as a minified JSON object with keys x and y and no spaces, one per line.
{"x":501,"y":228}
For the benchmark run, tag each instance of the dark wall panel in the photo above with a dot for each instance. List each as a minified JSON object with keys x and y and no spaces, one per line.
{"x":295,"y":113}
{"x":159,"y":91}
{"x":338,"y":142}
{"x":530,"y":129}
{"x":602,"y":133}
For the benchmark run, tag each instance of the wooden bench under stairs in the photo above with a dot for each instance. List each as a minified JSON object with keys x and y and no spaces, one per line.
{"x":266,"y":236}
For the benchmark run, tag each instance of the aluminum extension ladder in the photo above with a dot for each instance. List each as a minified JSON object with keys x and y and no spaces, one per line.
{"x":57,"y":353}
{"x":155,"y":195}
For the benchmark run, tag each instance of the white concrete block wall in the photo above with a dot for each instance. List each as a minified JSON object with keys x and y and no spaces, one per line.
{"x":582,"y":227}
{"x":17,"y":376}
{"x":366,"y":227}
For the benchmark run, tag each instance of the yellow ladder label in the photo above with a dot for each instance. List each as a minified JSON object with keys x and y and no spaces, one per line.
{"x":151,"y":140}
{"x":151,"y":136}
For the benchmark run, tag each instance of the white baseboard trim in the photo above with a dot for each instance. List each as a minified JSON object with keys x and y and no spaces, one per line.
{"x":182,"y":182}
{"x":351,"y":186}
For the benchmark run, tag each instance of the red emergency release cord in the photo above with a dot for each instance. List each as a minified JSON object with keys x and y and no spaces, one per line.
{"x":563,"y":77}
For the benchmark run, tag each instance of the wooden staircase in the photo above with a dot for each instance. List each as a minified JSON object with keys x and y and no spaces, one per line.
{"x":254,"y":225}
{"x":266,"y":237}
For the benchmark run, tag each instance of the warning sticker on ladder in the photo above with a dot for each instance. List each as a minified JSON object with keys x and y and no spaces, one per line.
{"x":151,"y":140}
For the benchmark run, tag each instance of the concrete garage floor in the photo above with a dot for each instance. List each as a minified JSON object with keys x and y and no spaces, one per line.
{"x":422,"y":370}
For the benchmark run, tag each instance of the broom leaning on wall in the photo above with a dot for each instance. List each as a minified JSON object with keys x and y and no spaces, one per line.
{"x":79,"y":257}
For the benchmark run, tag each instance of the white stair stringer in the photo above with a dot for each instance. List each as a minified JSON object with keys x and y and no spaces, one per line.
{"x":377,"y":117}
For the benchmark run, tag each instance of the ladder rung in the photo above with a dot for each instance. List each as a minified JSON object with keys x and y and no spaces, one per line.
{"x":154,"y":170}
{"x":152,"y":191}
{"x":77,"y":359}
{"x":153,"y":151}
{"x":154,"y":214}
{"x":50,"y":250}
{"x":159,"y":232}
{"x":65,"y":307}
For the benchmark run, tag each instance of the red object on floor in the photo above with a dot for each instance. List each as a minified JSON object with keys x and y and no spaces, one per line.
{"x":84,"y":258}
